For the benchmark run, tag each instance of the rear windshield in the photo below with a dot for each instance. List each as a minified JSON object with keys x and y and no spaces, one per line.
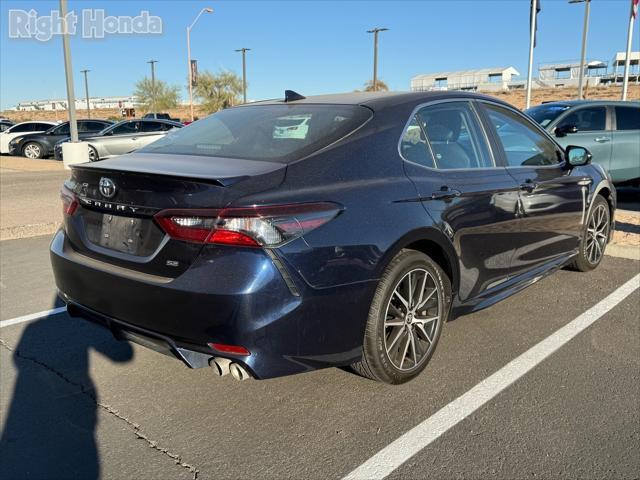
{"x":545,"y":114}
{"x":275,"y":133}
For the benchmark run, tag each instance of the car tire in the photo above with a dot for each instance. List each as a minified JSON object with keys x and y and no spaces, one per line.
{"x":399,"y":338}
{"x":595,"y":235}
{"x":32,"y":150}
{"x":93,"y":154}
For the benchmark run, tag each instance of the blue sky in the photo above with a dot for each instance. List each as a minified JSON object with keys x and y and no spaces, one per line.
{"x":308,"y":46}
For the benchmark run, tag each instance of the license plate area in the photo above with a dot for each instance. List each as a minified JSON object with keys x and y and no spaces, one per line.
{"x":134,"y":236}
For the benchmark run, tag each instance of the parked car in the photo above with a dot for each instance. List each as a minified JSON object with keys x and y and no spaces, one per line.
{"x":22,"y":128}
{"x":123,"y":137}
{"x":229,"y":245}
{"x":5,"y":124}
{"x":609,"y":129}
{"x":160,"y":116}
{"x":41,"y":145}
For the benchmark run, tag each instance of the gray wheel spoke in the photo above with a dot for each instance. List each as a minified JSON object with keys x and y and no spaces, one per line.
{"x":413,"y":347}
{"x":424,"y":332}
{"x":406,"y":349}
{"x":401,"y":298}
{"x":394,"y":323}
{"x":426,"y":299}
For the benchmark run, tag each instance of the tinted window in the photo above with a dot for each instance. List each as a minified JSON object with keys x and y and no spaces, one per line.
{"x":153,"y":127}
{"x":94,"y":126}
{"x":627,"y":118}
{"x":545,"y":114}
{"x":4,"y":126}
{"x":279,"y":133}
{"x":41,"y":127}
{"x":586,"y":119}
{"x":126,"y":128}
{"x":413,"y":146}
{"x":523,"y":145}
{"x":454,"y":135}
{"x":23,"y":127}
{"x":62,"y":129}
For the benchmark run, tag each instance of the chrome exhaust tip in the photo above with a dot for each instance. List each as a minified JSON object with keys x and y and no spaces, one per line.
{"x":220,"y":365}
{"x":239,"y":372}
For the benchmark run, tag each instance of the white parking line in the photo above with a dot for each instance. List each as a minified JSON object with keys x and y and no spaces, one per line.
{"x":399,"y":451}
{"x":32,"y":316}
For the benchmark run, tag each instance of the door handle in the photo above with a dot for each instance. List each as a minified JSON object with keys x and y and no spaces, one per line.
{"x":528,"y":186}
{"x":134,"y":138}
{"x":601,"y":139}
{"x":445,"y":193}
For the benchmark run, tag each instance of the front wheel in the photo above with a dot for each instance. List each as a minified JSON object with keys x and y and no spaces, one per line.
{"x":595,"y":236}
{"x":406,"y":316}
{"x":33,"y":150}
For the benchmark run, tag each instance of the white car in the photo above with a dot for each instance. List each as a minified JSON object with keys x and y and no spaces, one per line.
{"x":22,"y":128}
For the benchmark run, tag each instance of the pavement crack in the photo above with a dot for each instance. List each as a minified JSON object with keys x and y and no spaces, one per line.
{"x":137,"y":431}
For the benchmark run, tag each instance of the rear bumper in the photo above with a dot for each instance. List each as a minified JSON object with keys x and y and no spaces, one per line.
{"x":239,"y":298}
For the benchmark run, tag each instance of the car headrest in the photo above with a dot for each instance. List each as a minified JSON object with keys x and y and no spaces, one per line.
{"x":444,"y":126}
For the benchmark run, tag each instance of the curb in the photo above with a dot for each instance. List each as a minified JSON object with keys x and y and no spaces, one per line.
{"x":631,"y":252}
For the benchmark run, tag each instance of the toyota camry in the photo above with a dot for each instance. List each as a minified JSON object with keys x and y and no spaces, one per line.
{"x":350,"y":239}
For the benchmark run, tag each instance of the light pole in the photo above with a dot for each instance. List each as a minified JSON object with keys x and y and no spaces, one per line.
{"x":73,"y":125}
{"x":204,"y":10}
{"x":585,"y":31}
{"x":153,"y":84}
{"x":244,"y":72}
{"x":86,"y":91}
{"x":375,"y":32}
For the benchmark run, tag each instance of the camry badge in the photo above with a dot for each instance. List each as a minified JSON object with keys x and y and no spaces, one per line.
{"x":107,"y":187}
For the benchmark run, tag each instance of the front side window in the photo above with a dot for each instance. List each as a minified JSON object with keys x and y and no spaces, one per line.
{"x":545,"y":114}
{"x":125,"y":128}
{"x":592,"y":119}
{"x":522,"y":144}
{"x":62,"y":129}
{"x":22,"y":127}
{"x":627,"y":118}
{"x":276,"y":133}
{"x":454,"y":135}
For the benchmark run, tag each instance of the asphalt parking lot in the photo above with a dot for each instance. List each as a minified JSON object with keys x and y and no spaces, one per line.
{"x":76,"y":403}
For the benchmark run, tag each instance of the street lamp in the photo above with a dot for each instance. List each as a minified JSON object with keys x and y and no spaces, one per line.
{"x":585,"y":31}
{"x":204,"y":10}
{"x":244,"y":72}
{"x":86,"y":91}
{"x":375,"y":32}
{"x":153,"y":84}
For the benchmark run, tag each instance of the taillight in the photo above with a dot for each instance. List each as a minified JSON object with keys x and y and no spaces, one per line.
{"x":233,"y":349}
{"x":269,"y":226}
{"x":69,"y":201}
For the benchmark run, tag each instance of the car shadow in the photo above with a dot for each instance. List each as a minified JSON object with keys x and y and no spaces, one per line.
{"x":49,"y":429}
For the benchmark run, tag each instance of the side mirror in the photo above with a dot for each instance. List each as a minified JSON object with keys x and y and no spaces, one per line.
{"x":565,"y":130}
{"x":578,"y":156}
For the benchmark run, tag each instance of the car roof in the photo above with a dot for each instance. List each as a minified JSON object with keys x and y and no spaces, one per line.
{"x":378,"y":100}
{"x":575,"y":103}
{"x":50,"y":122}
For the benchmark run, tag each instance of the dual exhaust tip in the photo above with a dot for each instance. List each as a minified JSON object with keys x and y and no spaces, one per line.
{"x":224,"y":366}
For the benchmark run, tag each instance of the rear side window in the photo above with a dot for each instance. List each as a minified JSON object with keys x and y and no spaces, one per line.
{"x":454,"y":136}
{"x":42,"y":126}
{"x":153,"y":126}
{"x":627,"y":118}
{"x":523,"y":144}
{"x":126,"y":128}
{"x":277,"y":133}
{"x":591,"y":119}
{"x":413,"y":146}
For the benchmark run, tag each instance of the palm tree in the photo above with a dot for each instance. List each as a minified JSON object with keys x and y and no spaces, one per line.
{"x":382,"y":87}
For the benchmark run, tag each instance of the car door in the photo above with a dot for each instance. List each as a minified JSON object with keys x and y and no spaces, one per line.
{"x":552,"y":196}
{"x":625,"y":156}
{"x":122,"y":139}
{"x":592,"y":131}
{"x":473,"y":201}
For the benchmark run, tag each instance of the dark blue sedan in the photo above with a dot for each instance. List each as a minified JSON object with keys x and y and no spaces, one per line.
{"x":289,"y":235}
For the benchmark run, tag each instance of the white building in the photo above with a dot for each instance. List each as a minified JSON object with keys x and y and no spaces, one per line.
{"x":567,"y":74}
{"x":617,"y":67}
{"x":81,"y":103}
{"x":484,"y":79}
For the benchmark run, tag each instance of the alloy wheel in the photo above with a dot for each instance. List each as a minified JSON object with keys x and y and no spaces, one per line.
{"x":32,"y":150}
{"x":597,"y":234}
{"x":411,"y":320}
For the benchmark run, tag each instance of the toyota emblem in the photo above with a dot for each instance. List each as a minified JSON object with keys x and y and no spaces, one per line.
{"x":107,"y":187}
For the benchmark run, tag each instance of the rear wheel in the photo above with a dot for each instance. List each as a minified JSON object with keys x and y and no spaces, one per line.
{"x":33,"y":150}
{"x":595,"y":236}
{"x":93,"y":154}
{"x":405,"y":319}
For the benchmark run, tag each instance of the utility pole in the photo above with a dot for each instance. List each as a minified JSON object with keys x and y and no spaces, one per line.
{"x":627,"y":58}
{"x":375,"y":32}
{"x":244,"y":72}
{"x":86,"y":91}
{"x":583,"y":55}
{"x":69,"y":73}
{"x":532,"y":44}
{"x":204,"y":10}
{"x":153,"y":84}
